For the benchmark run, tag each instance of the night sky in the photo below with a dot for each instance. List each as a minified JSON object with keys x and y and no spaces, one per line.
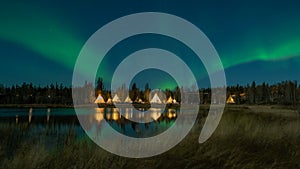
{"x":40,"y":41}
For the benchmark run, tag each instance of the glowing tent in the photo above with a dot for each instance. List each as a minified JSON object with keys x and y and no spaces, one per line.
{"x":109,"y":101}
{"x":128,"y":100}
{"x":155,"y":99}
{"x":230,"y":100}
{"x":99,"y":99}
{"x":170,"y":100}
{"x":116,"y":99}
{"x":138,"y":100}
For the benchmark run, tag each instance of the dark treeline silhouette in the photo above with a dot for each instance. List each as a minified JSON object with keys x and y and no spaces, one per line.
{"x":284,"y":93}
{"x":30,"y":94}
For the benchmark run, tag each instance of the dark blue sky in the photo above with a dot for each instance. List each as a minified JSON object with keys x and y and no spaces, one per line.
{"x":40,"y":41}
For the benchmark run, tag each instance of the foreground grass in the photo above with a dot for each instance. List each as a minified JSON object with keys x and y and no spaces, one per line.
{"x":244,"y":139}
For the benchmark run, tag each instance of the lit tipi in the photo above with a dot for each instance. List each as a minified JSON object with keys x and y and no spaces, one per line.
{"x":170,"y":100}
{"x":116,"y":99}
{"x":230,"y":100}
{"x":128,"y":100}
{"x":138,"y":100}
{"x":99,"y":99}
{"x":155,"y":99}
{"x":109,"y":101}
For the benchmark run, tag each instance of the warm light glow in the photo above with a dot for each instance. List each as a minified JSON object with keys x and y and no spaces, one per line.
{"x":109,"y":101}
{"x":108,"y":116}
{"x":115,"y":116}
{"x":243,"y":94}
{"x":127,"y":113}
{"x":99,"y":117}
{"x":128,"y":100}
{"x":99,"y":110}
{"x":155,"y":99}
{"x":17,"y":119}
{"x":170,"y":100}
{"x":140,"y":115}
{"x":170,"y":115}
{"x":230,"y":100}
{"x":99,"y":99}
{"x":155,"y":115}
{"x":30,"y":115}
{"x":48,"y":117}
{"x":116,"y":99}
{"x":48,"y":114}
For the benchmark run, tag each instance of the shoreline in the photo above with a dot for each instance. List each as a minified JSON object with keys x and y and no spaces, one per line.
{"x":202,"y":106}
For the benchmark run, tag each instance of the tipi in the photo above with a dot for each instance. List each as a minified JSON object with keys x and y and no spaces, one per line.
{"x":170,"y":100}
{"x":128,"y":100}
{"x":109,"y":101}
{"x":99,"y":99}
{"x":138,"y":100}
{"x":116,"y":99}
{"x":230,"y":100}
{"x":155,"y":99}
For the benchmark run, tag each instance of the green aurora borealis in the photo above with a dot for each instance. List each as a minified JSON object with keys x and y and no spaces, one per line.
{"x":40,"y":34}
{"x":271,"y":35}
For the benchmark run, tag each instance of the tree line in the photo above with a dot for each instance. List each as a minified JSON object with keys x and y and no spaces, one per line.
{"x":27,"y":93}
{"x":284,"y":93}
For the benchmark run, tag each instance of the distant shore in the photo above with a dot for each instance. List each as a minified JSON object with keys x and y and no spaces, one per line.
{"x":35,"y":106}
{"x":203,"y":106}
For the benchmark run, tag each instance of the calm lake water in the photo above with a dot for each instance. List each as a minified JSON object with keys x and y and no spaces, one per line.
{"x":55,"y":121}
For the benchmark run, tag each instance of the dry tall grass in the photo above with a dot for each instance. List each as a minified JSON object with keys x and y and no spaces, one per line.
{"x":244,"y":139}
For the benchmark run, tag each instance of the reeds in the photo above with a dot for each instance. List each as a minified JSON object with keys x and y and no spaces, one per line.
{"x":243,"y":139}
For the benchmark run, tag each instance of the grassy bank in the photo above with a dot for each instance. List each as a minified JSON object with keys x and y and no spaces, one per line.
{"x":248,"y":137}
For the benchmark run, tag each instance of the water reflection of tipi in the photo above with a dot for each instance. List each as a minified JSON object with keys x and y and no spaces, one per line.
{"x":155,"y":99}
{"x":156,"y":113}
{"x":171,"y":113}
{"x":99,"y":99}
{"x":30,"y":115}
{"x":115,"y":114}
{"x":99,"y":115}
{"x":116,"y":99}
